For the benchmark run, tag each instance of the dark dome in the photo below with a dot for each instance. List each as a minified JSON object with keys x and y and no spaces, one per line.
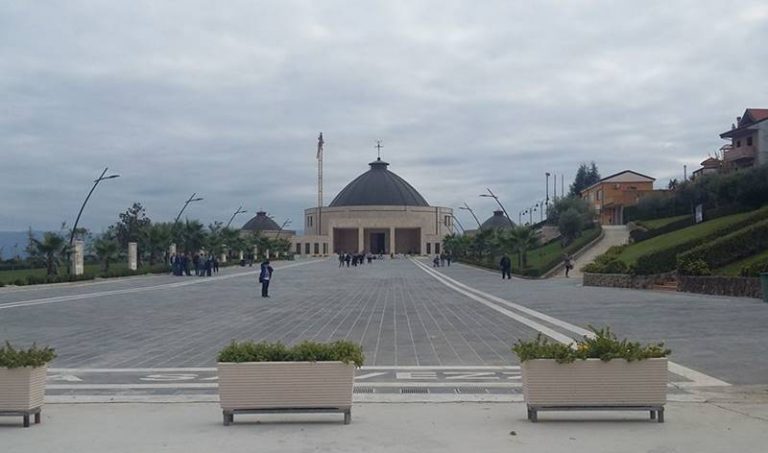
{"x":496,"y":221}
{"x":261,"y":223}
{"x":379,"y":187}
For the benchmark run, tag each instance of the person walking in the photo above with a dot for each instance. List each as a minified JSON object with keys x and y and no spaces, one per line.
{"x":264,"y":277}
{"x":506,"y":267}
{"x":568,"y":264}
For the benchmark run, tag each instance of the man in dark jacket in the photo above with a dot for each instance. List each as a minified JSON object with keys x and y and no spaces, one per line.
{"x":264,"y":277}
{"x":506,"y":267}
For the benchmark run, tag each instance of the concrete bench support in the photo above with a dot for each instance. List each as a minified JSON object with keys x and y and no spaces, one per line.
{"x":657,"y":412}
{"x":229,"y":415}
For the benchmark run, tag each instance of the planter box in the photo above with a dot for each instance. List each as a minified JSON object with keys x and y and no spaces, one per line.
{"x":22,"y":391}
{"x":268,"y":387}
{"x":594,"y":384}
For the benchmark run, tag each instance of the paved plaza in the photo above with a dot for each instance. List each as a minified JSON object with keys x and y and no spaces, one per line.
{"x":430,"y":336}
{"x":430,"y":333}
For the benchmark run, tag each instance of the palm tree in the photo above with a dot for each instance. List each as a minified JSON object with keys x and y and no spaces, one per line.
{"x":106,"y":249}
{"x":51,"y":248}
{"x":157,"y":239}
{"x":524,"y":239}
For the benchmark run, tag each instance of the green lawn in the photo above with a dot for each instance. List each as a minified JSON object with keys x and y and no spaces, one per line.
{"x":8,"y":277}
{"x":734,"y":269}
{"x":633,"y":251}
{"x":658,"y":223}
{"x":543,"y":257}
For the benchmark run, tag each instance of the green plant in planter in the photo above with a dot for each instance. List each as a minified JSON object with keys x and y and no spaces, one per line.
{"x":604,"y":345}
{"x":11,"y":357}
{"x":307,"y":351}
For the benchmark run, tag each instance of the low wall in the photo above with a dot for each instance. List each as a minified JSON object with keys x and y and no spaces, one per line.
{"x":721,"y":286}
{"x":627,"y":280}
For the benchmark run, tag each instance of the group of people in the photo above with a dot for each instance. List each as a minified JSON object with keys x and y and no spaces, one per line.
{"x":357,"y":258}
{"x":441,"y":260}
{"x":202,"y":264}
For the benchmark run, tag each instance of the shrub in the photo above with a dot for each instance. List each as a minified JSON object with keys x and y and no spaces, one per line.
{"x":11,"y":357}
{"x":727,"y":249}
{"x":693,"y":266}
{"x":603,"y":345}
{"x":609,"y":266}
{"x":755,"y":269}
{"x":307,"y":351}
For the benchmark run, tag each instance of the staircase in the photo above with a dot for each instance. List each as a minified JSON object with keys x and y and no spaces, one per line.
{"x":668,"y":285}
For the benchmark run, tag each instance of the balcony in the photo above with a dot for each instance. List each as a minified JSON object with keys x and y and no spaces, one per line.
{"x":740,"y":154}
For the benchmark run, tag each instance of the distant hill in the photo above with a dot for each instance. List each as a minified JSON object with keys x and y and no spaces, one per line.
{"x":15,"y":242}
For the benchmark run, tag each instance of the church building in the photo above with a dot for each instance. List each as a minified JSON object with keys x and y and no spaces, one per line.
{"x":378,"y":212}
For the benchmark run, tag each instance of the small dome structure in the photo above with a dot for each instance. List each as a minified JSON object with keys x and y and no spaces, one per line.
{"x":497,"y":221}
{"x":261,"y":223}
{"x":378,"y":187}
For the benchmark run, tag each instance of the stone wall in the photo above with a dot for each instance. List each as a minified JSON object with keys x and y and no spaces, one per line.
{"x":626,"y":280}
{"x":721,"y":286}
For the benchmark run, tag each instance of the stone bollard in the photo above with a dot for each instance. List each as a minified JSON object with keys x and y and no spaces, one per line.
{"x":133,"y":256}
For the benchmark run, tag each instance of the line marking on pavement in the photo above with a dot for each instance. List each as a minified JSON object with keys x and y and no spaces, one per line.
{"x":532,"y":324}
{"x":698,"y":379}
{"x":212,"y":369}
{"x":357,"y":398}
{"x":74,"y":297}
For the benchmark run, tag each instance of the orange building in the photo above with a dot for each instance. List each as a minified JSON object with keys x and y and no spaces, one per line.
{"x":611,"y":195}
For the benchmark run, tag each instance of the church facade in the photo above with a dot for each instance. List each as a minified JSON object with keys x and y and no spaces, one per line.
{"x":378,"y":212}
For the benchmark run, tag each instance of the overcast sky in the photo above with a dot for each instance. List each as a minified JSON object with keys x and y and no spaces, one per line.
{"x":226,"y":99}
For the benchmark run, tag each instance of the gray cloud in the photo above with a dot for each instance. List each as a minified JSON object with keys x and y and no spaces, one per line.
{"x":227,"y":101}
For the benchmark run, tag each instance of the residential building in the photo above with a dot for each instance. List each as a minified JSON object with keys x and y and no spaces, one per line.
{"x":609,"y":196}
{"x":749,"y":140}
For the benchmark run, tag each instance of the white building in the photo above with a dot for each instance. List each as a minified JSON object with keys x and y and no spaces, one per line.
{"x":378,"y":212}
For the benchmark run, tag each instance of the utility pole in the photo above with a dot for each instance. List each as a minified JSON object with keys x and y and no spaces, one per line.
{"x":320,"y":144}
{"x":547,"y":201}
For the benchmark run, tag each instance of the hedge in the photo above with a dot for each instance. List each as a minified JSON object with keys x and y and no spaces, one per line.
{"x":666,"y":260}
{"x":727,"y":249}
{"x":307,"y":351}
{"x":643,"y":234}
{"x":755,"y":269}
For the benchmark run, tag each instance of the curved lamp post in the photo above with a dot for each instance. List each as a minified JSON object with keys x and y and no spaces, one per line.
{"x":492,"y":195}
{"x":77,"y":220}
{"x":467,"y":208}
{"x":285,"y":224}
{"x":190,"y":200}
{"x":240,"y":210}
{"x":458,"y":223}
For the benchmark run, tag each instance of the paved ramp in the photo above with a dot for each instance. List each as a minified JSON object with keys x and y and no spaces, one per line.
{"x":613,"y":235}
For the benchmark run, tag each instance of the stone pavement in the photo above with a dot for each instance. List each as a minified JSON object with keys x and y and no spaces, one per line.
{"x":428,"y":334}
{"x":444,"y":428}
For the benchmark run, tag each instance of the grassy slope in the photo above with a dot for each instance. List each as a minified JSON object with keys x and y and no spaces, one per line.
{"x":658,"y":223}
{"x":548,"y":253}
{"x":631,"y":253}
{"x":734,"y":269}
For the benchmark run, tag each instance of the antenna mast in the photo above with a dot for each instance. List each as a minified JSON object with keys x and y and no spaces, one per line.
{"x":320,"y":143}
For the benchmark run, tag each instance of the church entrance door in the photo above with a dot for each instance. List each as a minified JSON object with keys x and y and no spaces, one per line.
{"x":378,"y":243}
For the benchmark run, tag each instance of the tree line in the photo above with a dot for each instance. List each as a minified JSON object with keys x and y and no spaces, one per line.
{"x":153,"y":241}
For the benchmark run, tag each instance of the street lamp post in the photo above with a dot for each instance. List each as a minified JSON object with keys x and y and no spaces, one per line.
{"x":190,"y":200}
{"x":77,"y":220}
{"x":240,"y":210}
{"x":547,"y":201}
{"x":458,"y":223}
{"x":467,"y":208}
{"x":286,"y":223}
{"x":492,"y":195}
